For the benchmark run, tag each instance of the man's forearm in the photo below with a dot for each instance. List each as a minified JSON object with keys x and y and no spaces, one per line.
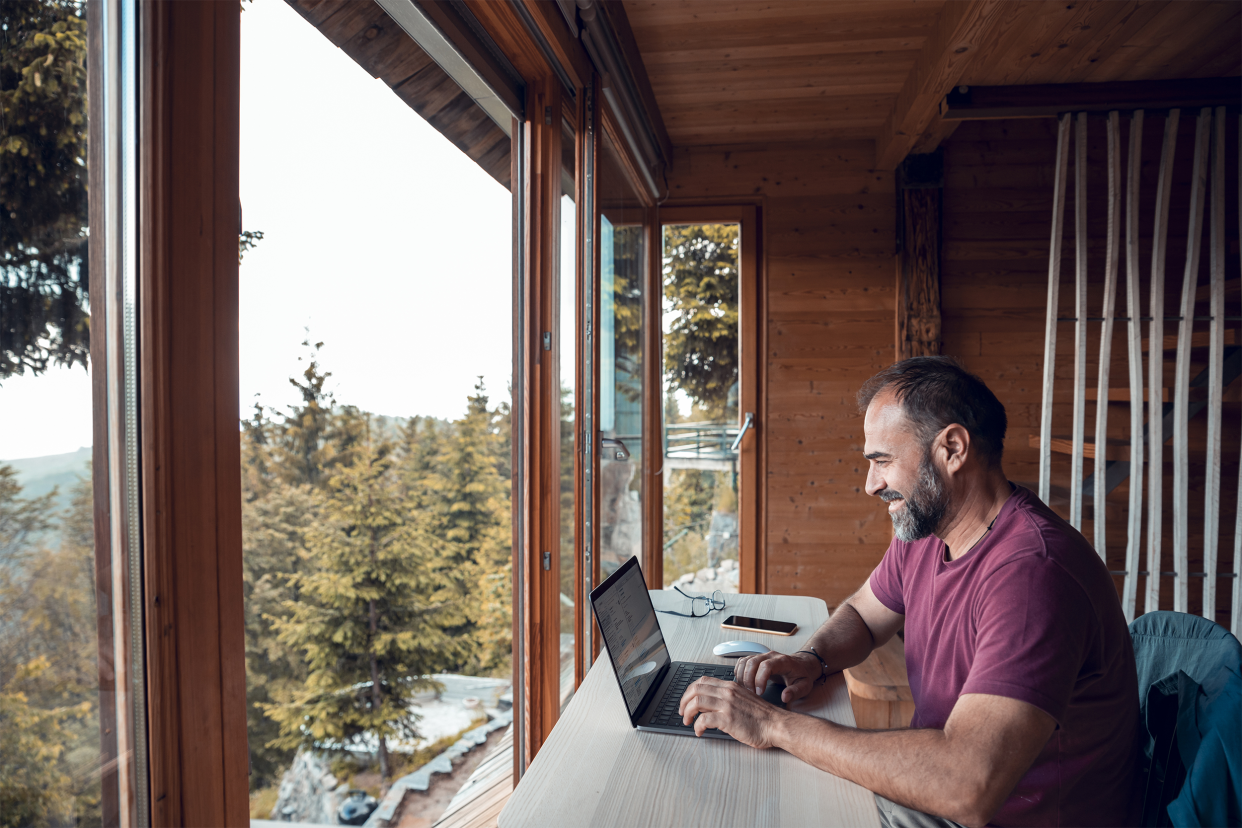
{"x":916,"y":768}
{"x":844,"y":640}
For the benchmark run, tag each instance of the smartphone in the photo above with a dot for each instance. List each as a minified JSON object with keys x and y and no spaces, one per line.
{"x":745,"y":622}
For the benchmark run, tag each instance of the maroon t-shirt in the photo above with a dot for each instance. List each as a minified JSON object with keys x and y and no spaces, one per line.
{"x":1030,"y":613}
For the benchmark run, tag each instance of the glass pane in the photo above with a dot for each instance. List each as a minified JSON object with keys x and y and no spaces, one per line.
{"x":622,"y":266}
{"x":376,"y":357}
{"x":53,"y":751}
{"x":566,"y":355}
{"x":701,"y":338}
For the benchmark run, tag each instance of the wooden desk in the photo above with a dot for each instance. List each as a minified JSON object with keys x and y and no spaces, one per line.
{"x":596,"y":770}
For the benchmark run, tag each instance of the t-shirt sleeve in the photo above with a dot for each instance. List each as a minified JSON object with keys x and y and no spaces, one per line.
{"x":886,"y":580}
{"x":1032,"y":624}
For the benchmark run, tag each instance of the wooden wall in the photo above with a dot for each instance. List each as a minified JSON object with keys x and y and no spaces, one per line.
{"x":997,"y":222}
{"x":828,"y":282}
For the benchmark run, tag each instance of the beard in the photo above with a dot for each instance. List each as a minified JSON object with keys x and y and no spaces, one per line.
{"x":926,"y":504}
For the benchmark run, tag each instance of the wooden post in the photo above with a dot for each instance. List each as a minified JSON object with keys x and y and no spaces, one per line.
{"x":1050,"y":324}
{"x":1155,"y":364}
{"x":1181,"y":386}
{"x":1134,"y":516}
{"x":1112,"y":254}
{"x":1216,"y":353}
{"x":920,"y":183}
{"x":1080,"y":326}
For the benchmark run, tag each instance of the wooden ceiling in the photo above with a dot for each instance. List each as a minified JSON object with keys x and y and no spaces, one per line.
{"x":757,"y":71}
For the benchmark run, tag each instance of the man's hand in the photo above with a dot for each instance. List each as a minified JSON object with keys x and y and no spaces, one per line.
{"x":799,"y":672}
{"x":728,"y":706}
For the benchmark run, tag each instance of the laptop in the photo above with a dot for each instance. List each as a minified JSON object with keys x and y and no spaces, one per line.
{"x":652,"y":684}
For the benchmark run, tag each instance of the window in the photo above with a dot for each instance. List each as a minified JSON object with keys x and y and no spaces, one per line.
{"x":702,"y":387}
{"x":622,"y":286}
{"x":376,"y":360}
{"x":72,"y":746}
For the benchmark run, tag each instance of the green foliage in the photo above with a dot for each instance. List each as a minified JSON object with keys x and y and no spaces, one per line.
{"x":325,"y":488}
{"x":49,"y":679}
{"x":35,"y":785}
{"x":701,"y":291}
{"x":371,"y":614}
{"x":626,"y":304}
{"x":43,"y":209}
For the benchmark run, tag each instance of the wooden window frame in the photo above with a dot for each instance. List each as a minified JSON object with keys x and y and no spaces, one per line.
{"x":189,"y":59}
{"x":751,"y":317}
{"x":189,"y":147}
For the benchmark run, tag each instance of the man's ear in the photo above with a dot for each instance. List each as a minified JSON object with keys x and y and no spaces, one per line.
{"x":955,"y":440}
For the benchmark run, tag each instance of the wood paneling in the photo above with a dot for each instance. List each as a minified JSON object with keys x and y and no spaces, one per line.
{"x":827,"y":283}
{"x":992,"y":305}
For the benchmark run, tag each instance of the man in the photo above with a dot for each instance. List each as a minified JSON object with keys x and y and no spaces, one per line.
{"x":1020,"y":662}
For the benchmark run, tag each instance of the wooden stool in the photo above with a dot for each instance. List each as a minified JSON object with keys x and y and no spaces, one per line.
{"x":880,"y":689}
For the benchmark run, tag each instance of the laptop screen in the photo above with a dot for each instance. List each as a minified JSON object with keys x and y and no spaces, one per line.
{"x":631,"y":633}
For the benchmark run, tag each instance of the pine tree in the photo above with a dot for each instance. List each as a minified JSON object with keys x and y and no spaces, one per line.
{"x":300,"y":453}
{"x":371,"y":615}
{"x":466,"y":499}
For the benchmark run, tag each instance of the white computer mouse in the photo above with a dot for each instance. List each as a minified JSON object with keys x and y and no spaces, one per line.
{"x":734,"y":649}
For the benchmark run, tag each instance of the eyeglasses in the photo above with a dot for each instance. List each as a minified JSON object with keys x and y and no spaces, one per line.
{"x":700,"y":605}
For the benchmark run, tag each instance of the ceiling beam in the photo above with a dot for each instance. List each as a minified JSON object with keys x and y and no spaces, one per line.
{"x":979,"y":103}
{"x":962,"y":27}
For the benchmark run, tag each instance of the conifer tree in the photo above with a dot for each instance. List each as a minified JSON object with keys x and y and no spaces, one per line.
{"x":300,"y":452}
{"x":467,"y":500}
{"x":371,"y":615}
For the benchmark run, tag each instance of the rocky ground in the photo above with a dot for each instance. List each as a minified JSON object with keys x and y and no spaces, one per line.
{"x":723,"y":577}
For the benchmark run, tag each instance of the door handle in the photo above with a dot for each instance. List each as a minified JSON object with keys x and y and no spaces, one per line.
{"x":746,"y":426}
{"x":619,"y":450}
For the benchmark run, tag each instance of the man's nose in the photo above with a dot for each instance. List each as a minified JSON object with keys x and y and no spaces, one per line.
{"x":875,"y":481}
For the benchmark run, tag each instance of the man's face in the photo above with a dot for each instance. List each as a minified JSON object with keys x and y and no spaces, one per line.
{"x":901,"y":471}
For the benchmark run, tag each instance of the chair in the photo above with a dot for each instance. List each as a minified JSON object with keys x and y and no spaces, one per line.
{"x":1175,"y":654}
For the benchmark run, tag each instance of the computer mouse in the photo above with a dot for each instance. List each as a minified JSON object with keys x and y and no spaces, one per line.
{"x":734,"y":649}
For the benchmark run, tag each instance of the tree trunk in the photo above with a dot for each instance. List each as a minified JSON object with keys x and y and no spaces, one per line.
{"x":377,"y":701}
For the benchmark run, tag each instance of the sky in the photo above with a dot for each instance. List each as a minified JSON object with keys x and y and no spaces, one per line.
{"x":381,"y":239}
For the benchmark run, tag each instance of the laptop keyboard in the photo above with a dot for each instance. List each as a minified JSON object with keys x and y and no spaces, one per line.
{"x":666,"y":714}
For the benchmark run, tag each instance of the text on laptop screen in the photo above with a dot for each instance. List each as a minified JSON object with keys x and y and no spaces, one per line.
{"x":632,"y":633}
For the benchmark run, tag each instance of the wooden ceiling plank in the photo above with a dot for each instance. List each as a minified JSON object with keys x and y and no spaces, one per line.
{"x":317,"y":11}
{"x":706,"y":13}
{"x":1227,"y":63}
{"x":778,"y":32}
{"x":961,"y":28}
{"x":823,"y":95}
{"x":1077,"y":36}
{"x":1029,"y":28}
{"x":757,"y":70}
{"x":1134,"y":15}
{"x":1212,"y":32}
{"x":808,"y":48}
{"x":1130,"y":61}
{"x":1177,"y":51}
